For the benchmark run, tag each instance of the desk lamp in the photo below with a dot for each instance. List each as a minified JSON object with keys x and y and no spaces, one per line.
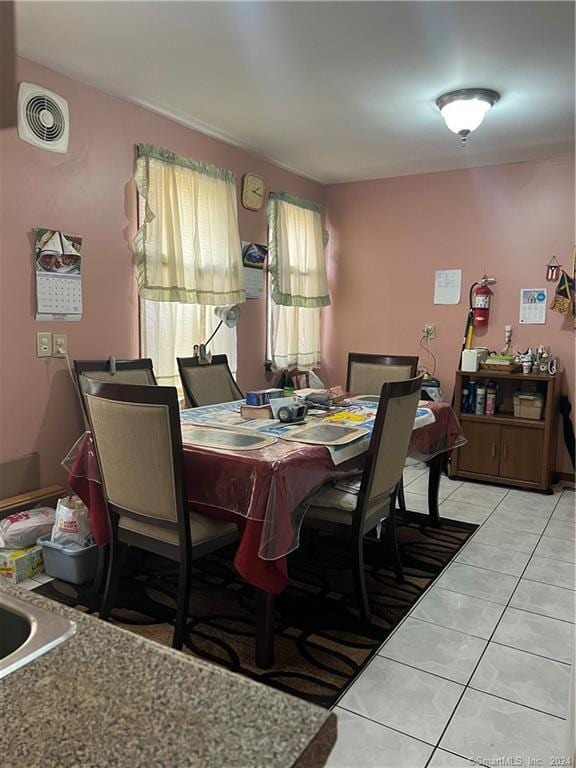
{"x":227,"y":315}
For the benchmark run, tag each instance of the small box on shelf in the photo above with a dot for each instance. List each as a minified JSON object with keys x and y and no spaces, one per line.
{"x":528,"y":405}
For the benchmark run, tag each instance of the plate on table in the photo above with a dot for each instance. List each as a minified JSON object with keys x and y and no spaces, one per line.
{"x":224,"y":439}
{"x":326,"y":434}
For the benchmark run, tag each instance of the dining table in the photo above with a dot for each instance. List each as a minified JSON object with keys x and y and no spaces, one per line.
{"x":263,"y":489}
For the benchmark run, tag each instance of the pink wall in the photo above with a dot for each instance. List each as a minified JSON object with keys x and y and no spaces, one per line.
{"x":89,"y":192}
{"x":387,"y":239}
{"x":389,"y":236}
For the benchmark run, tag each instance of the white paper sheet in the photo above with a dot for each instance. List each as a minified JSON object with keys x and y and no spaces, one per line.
{"x":533,"y":305}
{"x":447,"y":286}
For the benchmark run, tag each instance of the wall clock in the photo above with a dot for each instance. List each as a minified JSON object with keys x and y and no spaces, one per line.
{"x":253,"y":188}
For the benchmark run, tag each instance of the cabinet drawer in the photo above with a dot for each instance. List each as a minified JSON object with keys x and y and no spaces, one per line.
{"x":521,"y":452}
{"x":481,"y":454}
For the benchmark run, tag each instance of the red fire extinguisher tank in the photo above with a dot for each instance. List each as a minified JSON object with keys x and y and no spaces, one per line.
{"x":481,"y":306}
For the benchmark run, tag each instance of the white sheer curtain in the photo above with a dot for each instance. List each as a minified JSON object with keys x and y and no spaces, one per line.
{"x":189,"y":258}
{"x":188,"y":246}
{"x":169,"y":330}
{"x":294,"y":337}
{"x":298,"y":286}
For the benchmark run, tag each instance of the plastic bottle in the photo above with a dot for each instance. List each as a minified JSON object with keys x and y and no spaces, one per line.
{"x":480,"y":400}
{"x":491,"y":399}
{"x":472,"y":388}
{"x":464,"y":400}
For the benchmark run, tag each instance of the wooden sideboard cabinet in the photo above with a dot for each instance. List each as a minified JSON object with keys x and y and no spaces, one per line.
{"x":502,"y":448}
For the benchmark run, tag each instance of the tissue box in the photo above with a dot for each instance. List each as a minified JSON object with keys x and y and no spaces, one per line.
{"x":263,"y":396}
{"x":19,"y":564}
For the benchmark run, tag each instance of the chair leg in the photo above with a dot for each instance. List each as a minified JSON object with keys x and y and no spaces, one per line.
{"x":401,"y":498}
{"x":360,"y":578}
{"x":115,"y":560}
{"x":184,"y":589}
{"x":392,"y":543}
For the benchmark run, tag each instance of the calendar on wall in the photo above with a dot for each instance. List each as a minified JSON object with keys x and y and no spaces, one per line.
{"x":254,"y":259}
{"x":58,"y":275}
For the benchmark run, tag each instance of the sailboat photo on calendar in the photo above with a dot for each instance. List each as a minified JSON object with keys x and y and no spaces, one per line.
{"x":58,"y":275}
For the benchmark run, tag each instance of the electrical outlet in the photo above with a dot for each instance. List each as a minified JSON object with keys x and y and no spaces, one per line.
{"x":43,"y":344}
{"x":60,"y":345}
{"x":430,"y":331}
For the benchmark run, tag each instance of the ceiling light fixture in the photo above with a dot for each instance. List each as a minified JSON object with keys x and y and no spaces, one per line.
{"x":464,"y":110}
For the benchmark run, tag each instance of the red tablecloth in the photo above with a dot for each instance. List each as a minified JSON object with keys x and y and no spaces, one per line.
{"x":258,"y":490}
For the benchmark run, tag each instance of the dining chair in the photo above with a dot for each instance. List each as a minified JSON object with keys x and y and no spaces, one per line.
{"x":136,"y":371}
{"x":366,"y":373}
{"x":208,"y":383}
{"x":138,"y":443}
{"x":370,"y":501}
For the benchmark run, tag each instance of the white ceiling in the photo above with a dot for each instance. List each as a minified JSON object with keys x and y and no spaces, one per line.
{"x":334,"y":90}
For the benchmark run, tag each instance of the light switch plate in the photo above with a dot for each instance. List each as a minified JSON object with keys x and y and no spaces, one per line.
{"x":43,"y":344}
{"x":59,"y":344}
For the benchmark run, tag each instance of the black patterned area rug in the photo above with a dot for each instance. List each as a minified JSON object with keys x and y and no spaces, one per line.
{"x":321,"y":643}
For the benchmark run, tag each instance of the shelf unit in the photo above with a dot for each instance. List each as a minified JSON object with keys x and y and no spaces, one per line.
{"x":503,"y":448}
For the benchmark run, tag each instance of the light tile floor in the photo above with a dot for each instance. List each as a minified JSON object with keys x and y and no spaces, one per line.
{"x":479,"y":670}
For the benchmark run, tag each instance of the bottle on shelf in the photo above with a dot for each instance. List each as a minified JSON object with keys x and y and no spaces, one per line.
{"x":464,"y":400}
{"x":491,"y":399}
{"x":472,"y":389}
{"x":480,"y":400}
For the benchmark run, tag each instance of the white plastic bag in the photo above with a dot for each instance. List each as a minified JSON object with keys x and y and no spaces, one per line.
{"x":72,"y":525}
{"x":21,"y":529}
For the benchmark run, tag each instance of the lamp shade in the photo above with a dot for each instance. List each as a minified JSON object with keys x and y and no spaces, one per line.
{"x":464,"y":110}
{"x":228,"y":315}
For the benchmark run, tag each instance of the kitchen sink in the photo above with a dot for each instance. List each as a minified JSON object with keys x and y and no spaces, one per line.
{"x":27,"y":632}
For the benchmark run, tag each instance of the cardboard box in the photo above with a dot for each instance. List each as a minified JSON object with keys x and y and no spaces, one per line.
{"x":528,"y":405}
{"x":20,"y":564}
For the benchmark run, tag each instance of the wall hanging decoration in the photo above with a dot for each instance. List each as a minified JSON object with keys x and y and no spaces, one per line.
{"x":254,"y":259}
{"x":553,"y":270}
{"x":563,"y":300}
{"x":58,"y":281}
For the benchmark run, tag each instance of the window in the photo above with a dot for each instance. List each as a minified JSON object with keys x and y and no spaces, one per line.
{"x":297,"y":286}
{"x":188,"y":256}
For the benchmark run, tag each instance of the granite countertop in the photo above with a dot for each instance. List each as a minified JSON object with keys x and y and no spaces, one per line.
{"x":107,"y":697}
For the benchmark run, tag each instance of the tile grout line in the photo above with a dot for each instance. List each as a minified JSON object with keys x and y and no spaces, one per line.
{"x":540,"y":655}
{"x":467,"y":686}
{"x":511,"y":701}
{"x":391,"y":727}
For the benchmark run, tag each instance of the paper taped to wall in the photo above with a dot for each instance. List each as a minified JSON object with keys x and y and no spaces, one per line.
{"x":447,"y":286}
{"x":533,"y":305}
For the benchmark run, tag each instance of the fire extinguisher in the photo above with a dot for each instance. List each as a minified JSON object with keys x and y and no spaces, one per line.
{"x":481,"y":303}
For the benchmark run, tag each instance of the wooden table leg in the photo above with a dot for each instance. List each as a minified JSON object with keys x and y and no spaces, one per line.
{"x":264,"y":629}
{"x":435,"y":464}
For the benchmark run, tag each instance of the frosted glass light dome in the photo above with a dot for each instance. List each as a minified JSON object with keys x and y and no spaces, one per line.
{"x":464,"y":110}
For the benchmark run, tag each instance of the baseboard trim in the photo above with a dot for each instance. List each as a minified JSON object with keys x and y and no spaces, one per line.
{"x":564,"y":477}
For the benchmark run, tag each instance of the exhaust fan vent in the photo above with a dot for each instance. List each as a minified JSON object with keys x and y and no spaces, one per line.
{"x":43,"y":118}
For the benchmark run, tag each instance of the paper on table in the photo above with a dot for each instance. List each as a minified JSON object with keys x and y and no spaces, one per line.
{"x":447,"y":286}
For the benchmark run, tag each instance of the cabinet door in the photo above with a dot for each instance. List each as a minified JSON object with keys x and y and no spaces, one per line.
{"x":481,"y":454}
{"x":521,"y":451}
